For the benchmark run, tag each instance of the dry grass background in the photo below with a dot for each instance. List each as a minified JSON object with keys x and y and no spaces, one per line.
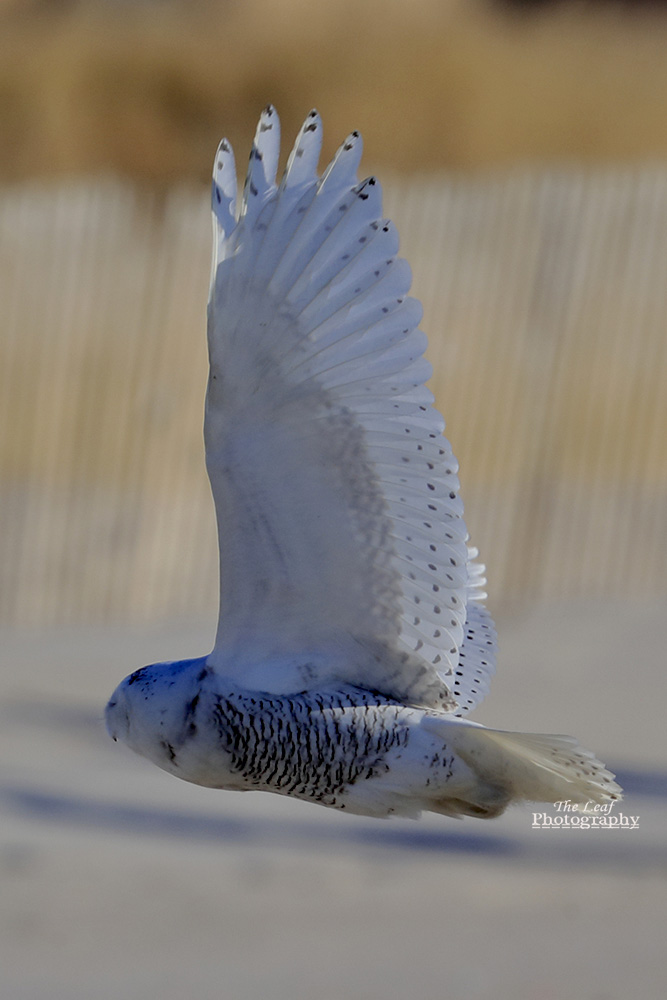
{"x":145,"y":88}
{"x":544,"y":285}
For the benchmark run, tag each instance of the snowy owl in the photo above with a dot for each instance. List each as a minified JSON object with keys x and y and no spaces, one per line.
{"x":352,"y":641}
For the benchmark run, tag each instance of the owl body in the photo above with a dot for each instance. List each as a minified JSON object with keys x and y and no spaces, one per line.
{"x":344,"y":747}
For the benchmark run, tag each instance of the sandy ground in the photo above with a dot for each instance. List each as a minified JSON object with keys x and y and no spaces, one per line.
{"x":118,"y":881}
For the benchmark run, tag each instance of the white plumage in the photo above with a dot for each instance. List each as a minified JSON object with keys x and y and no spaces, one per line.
{"x":352,"y":638}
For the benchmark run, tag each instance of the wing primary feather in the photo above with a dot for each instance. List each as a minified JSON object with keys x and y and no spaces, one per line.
{"x":267,"y":143}
{"x":359,"y":336}
{"x":342,"y":171}
{"x":386,"y":361}
{"x":348,"y":235}
{"x":295,"y":193}
{"x":260,"y":179}
{"x":223,"y":201}
{"x":302,"y":163}
{"x":361,"y":270}
{"x":379,"y":293}
{"x":326,"y":226}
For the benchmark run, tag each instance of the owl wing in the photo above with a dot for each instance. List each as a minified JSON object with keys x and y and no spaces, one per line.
{"x":343,"y":549}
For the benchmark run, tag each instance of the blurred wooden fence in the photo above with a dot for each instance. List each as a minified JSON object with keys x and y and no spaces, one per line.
{"x":545,"y":299}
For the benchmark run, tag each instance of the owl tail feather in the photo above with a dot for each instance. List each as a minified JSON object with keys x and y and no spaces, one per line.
{"x":535,"y":767}
{"x":514,"y":767}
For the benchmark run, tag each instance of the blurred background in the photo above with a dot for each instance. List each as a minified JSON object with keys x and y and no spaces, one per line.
{"x":522,"y":150}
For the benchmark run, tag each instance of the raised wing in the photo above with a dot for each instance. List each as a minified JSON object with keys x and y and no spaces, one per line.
{"x":343,"y":550}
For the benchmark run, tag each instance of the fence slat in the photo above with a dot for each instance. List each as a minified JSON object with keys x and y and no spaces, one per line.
{"x":546,"y":304}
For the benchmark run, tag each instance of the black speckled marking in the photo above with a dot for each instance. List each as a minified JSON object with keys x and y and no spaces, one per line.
{"x":307,"y":746}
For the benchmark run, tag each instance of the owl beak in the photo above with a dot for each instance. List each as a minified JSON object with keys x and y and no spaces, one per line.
{"x":117,"y":717}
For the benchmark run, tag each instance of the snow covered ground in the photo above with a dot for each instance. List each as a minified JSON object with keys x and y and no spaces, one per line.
{"x":118,"y":881}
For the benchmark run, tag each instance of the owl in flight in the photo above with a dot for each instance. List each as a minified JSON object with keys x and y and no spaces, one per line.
{"x":352,"y":641}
